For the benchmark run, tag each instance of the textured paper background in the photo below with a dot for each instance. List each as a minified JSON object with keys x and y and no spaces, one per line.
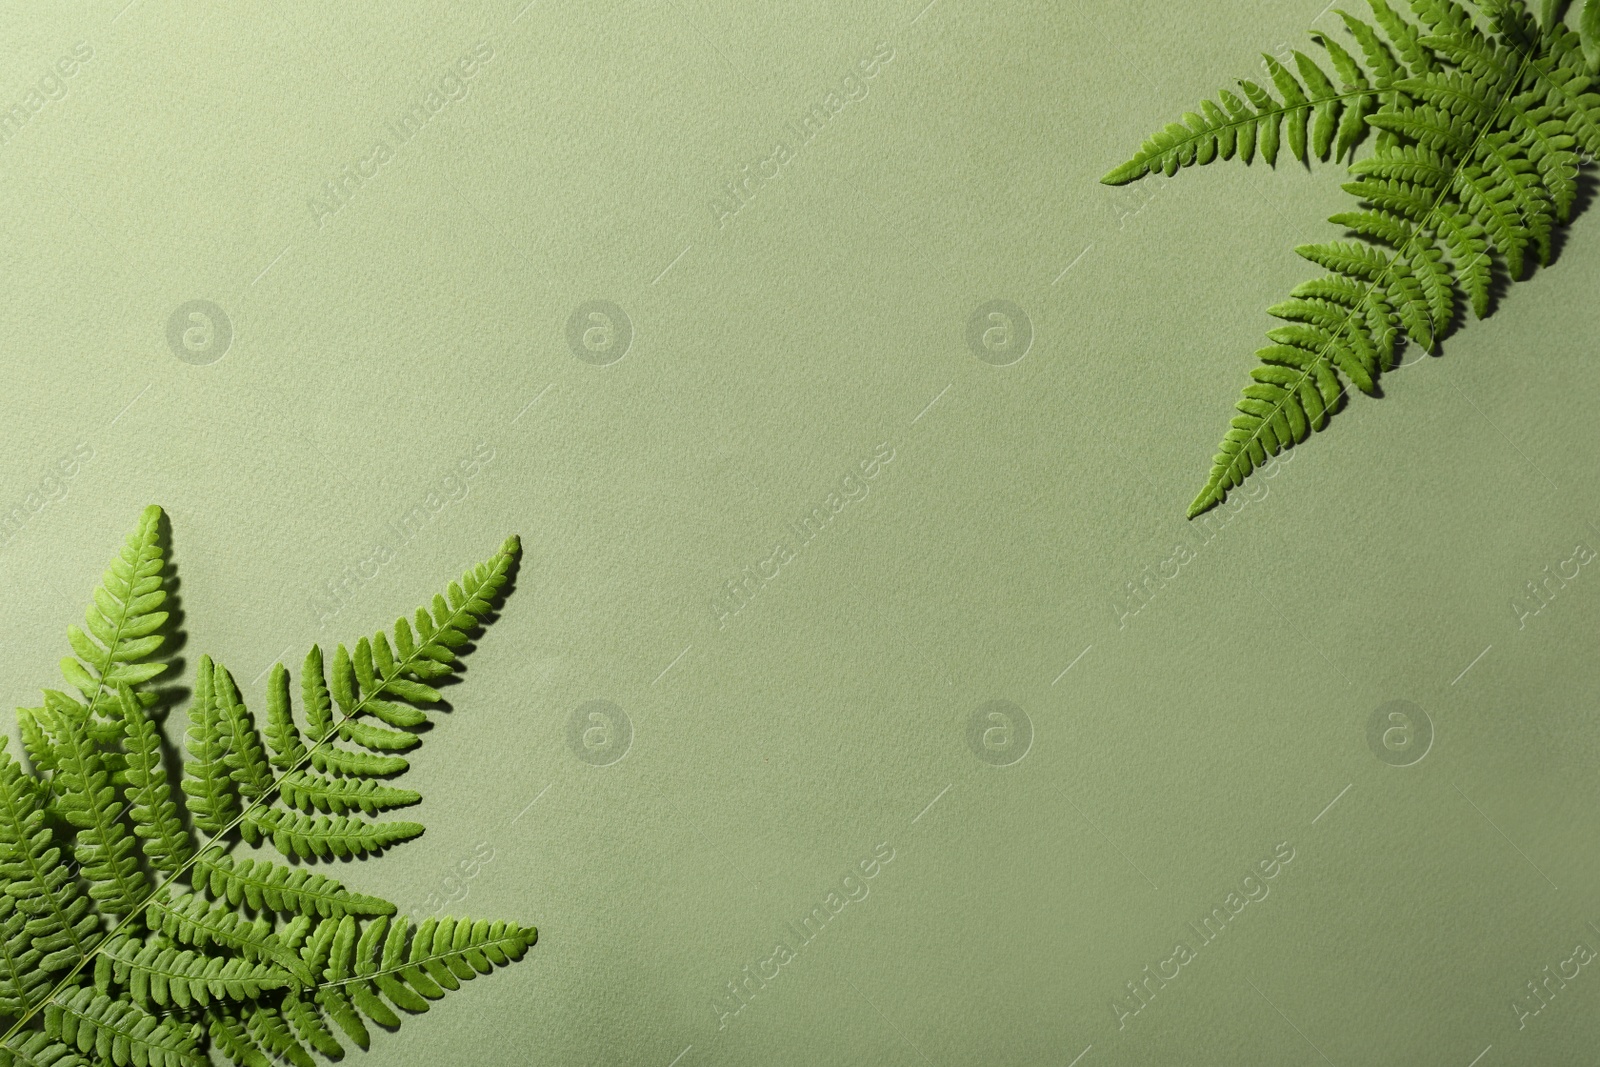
{"x":376,"y":346}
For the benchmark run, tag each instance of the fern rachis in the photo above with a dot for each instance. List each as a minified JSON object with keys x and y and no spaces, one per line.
{"x":120,"y":962}
{"x":1475,"y":163}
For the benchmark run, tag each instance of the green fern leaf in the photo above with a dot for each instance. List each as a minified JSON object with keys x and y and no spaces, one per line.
{"x":1550,"y":148}
{"x":39,"y":1049}
{"x":167,"y":846}
{"x":232,"y":967}
{"x":1487,"y":200}
{"x":159,"y":975}
{"x":283,"y":736}
{"x":23,"y":982}
{"x":61,"y":925}
{"x":327,"y":756}
{"x":88,"y":802}
{"x":409,"y":967}
{"x":1317,"y":115}
{"x":285,"y":890}
{"x":1373,"y":49}
{"x":1563,"y":76}
{"x":324,"y":836}
{"x":332,"y":759}
{"x":314,"y":693}
{"x":310,"y":1026}
{"x":376,"y":738}
{"x":195,"y":921}
{"x":207,"y":778}
{"x":1235,"y":128}
{"x":36,"y":742}
{"x":245,"y":757}
{"x":229,"y":1035}
{"x":1589,"y":33}
{"x":123,"y":625}
{"x":1475,"y":164}
{"x":1442,"y":16}
{"x":307,"y":791}
{"x":118,"y":1032}
{"x":268,"y":1026}
{"x":1419,"y":59}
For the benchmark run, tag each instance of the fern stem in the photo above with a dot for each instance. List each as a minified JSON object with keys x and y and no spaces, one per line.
{"x":460,"y":618}
{"x":1213,"y":494}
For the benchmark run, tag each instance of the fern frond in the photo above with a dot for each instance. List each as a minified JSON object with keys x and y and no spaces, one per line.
{"x":327,"y":756}
{"x":1589,"y":32}
{"x":1317,"y":114}
{"x":1476,"y":165}
{"x":314,"y":694}
{"x":307,"y":791}
{"x":167,"y":846}
{"x":285,"y":890}
{"x":23,"y":982}
{"x":1488,"y":201}
{"x":232,"y":967}
{"x":310,"y":1026}
{"x":376,"y":738}
{"x":333,"y":759}
{"x":122,"y":634}
{"x":283,"y":736}
{"x":88,"y":803}
{"x":159,"y":975}
{"x":36,"y":742}
{"x":317,"y":948}
{"x":1507,"y":162}
{"x":384,"y":681}
{"x":324,"y":836}
{"x":408,"y":966}
{"x":200,"y":923}
{"x":391,"y":684}
{"x":39,"y":1049}
{"x":229,"y":1035}
{"x":375,"y":682}
{"x":1564,"y":77}
{"x":1380,"y":59}
{"x":1419,"y":59}
{"x":1469,"y":252}
{"x":268,"y":1026}
{"x":1550,"y":147}
{"x":61,"y":925}
{"x":118,"y":1032}
{"x":207,"y":778}
{"x":246,"y":758}
{"x":1240,"y":128}
{"x":1443,"y":16}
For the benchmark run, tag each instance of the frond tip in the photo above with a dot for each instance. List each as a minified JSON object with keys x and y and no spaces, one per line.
{"x":123,"y":625}
{"x":1317,"y":117}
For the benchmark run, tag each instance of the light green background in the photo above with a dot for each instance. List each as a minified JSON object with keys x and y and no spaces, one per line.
{"x":373,"y":352}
